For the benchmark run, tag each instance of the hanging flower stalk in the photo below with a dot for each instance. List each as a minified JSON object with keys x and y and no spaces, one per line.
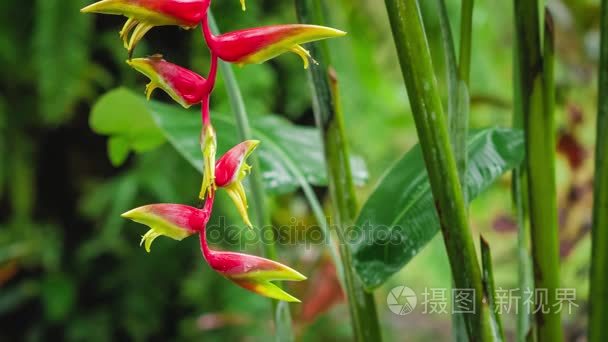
{"x":250,"y":46}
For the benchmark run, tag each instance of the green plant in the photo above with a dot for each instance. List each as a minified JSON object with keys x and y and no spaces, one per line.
{"x":598,"y":292}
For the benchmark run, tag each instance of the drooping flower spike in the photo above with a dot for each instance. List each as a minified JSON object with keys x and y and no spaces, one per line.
{"x":230,"y":171}
{"x":188,"y":88}
{"x":257,"y":45}
{"x":145,"y":14}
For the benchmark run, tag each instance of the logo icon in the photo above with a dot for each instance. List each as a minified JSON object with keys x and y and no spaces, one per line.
{"x":401,"y":300}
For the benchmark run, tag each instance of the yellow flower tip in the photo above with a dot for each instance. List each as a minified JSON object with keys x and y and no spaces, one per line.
{"x":105,"y":7}
{"x":150,"y":87}
{"x":284,"y":296}
{"x":267,"y":289}
{"x":298,"y":276}
{"x":92,"y":8}
{"x":243,"y":5}
{"x":143,"y":66}
{"x":131,"y":214}
{"x":330,"y":32}
{"x":148,"y":238}
{"x":248,"y":222}
{"x":253,"y":144}
{"x":236,"y":192}
{"x":304,"y":54}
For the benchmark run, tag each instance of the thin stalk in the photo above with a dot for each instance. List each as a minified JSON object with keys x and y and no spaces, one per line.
{"x":453,"y":85}
{"x":330,"y":121}
{"x":490,"y":289}
{"x":466,"y":29}
{"x":457,"y":110}
{"x":459,"y":125}
{"x":421,"y":84}
{"x":598,"y":331}
{"x":537,"y":89}
{"x":519,"y":194}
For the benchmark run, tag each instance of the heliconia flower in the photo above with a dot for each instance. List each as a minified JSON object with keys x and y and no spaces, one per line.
{"x":172,"y":220}
{"x":257,"y":45}
{"x":231,"y":169}
{"x":146,"y":14}
{"x":184,"y":86}
{"x":251,"y":272}
{"x":208,"y":142}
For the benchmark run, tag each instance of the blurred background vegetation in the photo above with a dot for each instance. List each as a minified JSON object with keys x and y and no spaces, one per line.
{"x":71,"y":268}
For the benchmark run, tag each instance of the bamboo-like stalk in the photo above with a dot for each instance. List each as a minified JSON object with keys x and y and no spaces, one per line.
{"x":420,"y":81}
{"x":457,"y":123}
{"x":537,"y":89}
{"x":330,"y":121}
{"x":458,"y":118}
{"x":520,"y":208}
{"x":598,"y":294}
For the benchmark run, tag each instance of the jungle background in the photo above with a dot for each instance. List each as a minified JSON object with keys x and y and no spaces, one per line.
{"x":71,"y":268}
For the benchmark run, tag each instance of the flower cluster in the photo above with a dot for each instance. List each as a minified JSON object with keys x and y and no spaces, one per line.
{"x":188,"y":88}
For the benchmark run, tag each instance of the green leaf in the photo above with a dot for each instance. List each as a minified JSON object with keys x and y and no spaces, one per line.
{"x":286,"y":149}
{"x":399,"y":218}
{"x":124,"y":117}
{"x":61,"y":54}
{"x":118,"y":150}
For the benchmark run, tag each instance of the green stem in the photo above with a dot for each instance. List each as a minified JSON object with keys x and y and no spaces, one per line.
{"x":416,"y":65}
{"x":598,"y":295}
{"x":520,"y":207}
{"x":452,"y":77}
{"x":490,"y":290}
{"x":466,"y":28}
{"x":459,"y":126}
{"x":330,"y":120}
{"x":537,"y":88}
{"x":458,"y":112}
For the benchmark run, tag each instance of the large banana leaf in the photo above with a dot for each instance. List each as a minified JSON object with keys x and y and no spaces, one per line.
{"x":399,"y":218}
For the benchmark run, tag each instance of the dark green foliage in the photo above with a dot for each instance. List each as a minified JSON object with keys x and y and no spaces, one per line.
{"x":399,"y":219}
